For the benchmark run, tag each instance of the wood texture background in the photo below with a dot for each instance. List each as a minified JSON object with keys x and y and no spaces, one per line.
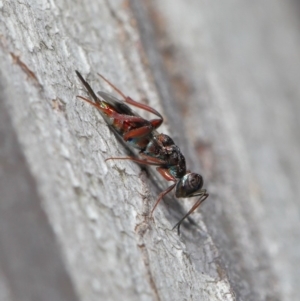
{"x":226,"y":78}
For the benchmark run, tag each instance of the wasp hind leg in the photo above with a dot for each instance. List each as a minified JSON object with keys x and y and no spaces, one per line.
{"x":132,"y":102}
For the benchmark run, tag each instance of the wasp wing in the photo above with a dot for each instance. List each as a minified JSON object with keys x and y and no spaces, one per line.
{"x":118,"y":105}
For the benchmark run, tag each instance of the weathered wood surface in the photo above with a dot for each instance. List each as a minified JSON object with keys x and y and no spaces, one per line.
{"x":225,"y":76}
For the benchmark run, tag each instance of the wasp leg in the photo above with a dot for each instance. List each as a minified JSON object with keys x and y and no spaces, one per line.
{"x":196,"y":205}
{"x":130,"y":101}
{"x":165,"y":173}
{"x":154,"y":161}
{"x":96,"y":105}
{"x":120,"y":117}
{"x":138,"y":133}
{"x":161,"y":195}
{"x":148,"y":160}
{"x":147,"y":108}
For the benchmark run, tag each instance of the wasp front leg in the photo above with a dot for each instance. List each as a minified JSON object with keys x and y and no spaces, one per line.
{"x":148,"y":160}
{"x":163,"y":171}
{"x":203,"y":197}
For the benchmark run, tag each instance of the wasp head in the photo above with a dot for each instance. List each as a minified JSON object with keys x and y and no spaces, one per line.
{"x":189,"y":185}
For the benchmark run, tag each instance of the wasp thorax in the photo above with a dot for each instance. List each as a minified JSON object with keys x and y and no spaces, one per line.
{"x":188,"y":185}
{"x":165,"y":140}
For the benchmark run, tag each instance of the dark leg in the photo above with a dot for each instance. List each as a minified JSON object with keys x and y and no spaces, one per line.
{"x":196,"y":205}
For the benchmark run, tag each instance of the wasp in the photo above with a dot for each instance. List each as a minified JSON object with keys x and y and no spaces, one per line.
{"x":154,"y":148}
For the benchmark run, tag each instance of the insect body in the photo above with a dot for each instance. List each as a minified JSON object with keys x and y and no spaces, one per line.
{"x":154,"y":148}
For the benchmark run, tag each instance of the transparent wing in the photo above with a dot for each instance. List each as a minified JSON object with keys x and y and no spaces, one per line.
{"x":119,"y":105}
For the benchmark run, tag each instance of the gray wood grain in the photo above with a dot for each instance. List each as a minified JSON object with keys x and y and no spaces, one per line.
{"x":221,"y":78}
{"x":32,"y":268}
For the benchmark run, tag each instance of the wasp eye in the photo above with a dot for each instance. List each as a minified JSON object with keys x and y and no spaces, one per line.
{"x":195,"y":181}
